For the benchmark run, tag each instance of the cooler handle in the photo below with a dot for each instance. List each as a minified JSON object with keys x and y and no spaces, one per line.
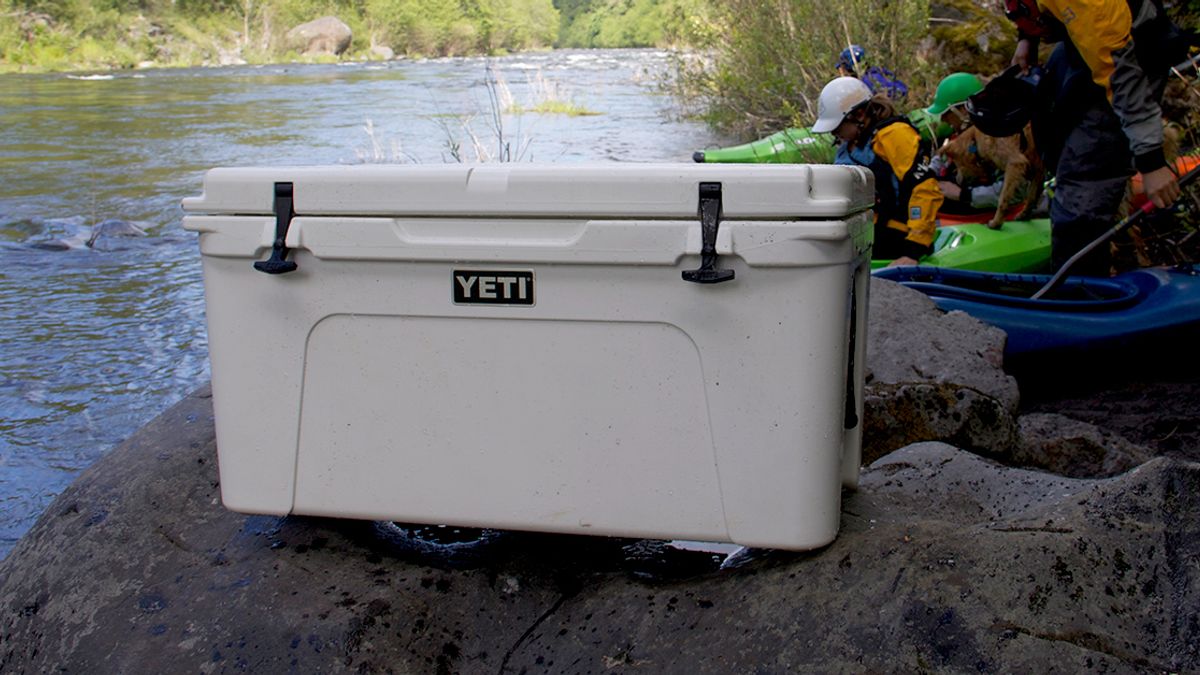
{"x":710,"y":222}
{"x":284,"y":212}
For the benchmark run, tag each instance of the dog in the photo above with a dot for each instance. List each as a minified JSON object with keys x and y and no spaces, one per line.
{"x":978,"y":158}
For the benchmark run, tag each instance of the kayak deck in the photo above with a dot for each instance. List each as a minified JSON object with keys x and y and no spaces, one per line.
{"x":1018,"y":246}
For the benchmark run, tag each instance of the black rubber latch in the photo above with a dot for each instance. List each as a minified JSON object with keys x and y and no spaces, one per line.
{"x":710,"y":222}
{"x":284,"y":212}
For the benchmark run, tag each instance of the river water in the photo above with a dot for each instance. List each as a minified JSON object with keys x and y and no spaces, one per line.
{"x":95,"y":341}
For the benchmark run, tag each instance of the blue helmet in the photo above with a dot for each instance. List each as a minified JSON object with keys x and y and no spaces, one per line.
{"x":852,"y":57}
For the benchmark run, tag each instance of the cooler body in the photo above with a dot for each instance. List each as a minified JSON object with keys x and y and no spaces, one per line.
{"x":517,"y":346}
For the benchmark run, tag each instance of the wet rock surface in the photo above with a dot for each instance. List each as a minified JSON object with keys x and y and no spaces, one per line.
{"x":946,"y":561}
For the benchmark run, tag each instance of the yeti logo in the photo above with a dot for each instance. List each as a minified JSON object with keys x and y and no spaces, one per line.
{"x":493,"y":287}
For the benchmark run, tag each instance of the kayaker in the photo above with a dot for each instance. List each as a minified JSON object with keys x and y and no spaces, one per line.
{"x":947,"y":108}
{"x":870,"y":134}
{"x":950,"y":98}
{"x":963,"y":196}
{"x":879,"y":79}
{"x":1097,"y":116}
{"x":945,"y":117}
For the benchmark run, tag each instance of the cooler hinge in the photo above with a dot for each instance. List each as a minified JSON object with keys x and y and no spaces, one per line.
{"x":710,"y":222}
{"x":284,"y":212}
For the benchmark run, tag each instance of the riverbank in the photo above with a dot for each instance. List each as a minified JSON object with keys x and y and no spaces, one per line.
{"x":43,"y":44}
{"x":71,"y":37}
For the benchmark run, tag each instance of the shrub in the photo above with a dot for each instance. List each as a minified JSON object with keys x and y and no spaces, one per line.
{"x":765,"y":64}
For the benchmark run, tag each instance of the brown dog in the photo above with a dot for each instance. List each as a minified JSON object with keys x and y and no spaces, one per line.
{"x":979,"y":157}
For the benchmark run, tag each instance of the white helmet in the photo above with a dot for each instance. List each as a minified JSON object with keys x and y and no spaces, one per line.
{"x":837,"y":99}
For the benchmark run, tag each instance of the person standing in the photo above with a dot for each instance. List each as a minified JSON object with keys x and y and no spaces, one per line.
{"x":1098,"y":114}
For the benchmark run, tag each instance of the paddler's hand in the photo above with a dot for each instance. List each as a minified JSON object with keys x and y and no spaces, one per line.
{"x":1161,"y":187}
{"x":902,"y":261}
{"x":1025,"y":55}
{"x":950,"y":190}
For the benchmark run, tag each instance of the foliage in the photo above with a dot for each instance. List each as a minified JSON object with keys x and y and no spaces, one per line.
{"x":765,"y":63}
{"x":617,"y":23}
{"x":613,"y":23}
{"x":83,"y":34}
{"x":1187,"y":14}
{"x":971,"y":38}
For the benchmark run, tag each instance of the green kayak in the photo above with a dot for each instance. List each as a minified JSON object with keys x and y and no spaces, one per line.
{"x":802,"y":146}
{"x":1020,"y":246}
{"x":790,"y":146}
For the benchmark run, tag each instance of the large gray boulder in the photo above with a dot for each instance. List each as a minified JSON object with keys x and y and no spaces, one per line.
{"x":934,"y":376}
{"x":946,"y":562}
{"x":326,"y":35}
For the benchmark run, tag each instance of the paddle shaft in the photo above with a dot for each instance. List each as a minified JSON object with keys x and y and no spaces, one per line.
{"x":1132,"y":218}
{"x":1188,"y":68}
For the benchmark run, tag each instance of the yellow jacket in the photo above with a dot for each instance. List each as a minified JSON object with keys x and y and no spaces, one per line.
{"x":899,"y":145}
{"x":1102,"y":32}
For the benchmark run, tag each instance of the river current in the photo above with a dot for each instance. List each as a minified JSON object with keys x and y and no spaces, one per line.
{"x":97,"y":340}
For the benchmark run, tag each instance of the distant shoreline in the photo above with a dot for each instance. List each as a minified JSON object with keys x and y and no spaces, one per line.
{"x":188,"y":33}
{"x":84,"y":72}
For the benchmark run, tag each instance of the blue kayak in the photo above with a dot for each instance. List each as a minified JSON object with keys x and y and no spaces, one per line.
{"x":1143,"y":308}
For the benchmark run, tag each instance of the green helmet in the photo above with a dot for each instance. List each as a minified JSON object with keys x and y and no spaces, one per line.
{"x":954,"y":89}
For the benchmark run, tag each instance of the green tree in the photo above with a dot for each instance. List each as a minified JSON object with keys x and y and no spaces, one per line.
{"x":515,"y":24}
{"x":616,"y":23}
{"x":59,"y":34}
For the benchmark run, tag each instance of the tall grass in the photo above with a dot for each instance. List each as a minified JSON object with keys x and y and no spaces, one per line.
{"x":503,"y":138}
{"x":381,"y":149}
{"x":547,"y":96}
{"x":758,"y":67}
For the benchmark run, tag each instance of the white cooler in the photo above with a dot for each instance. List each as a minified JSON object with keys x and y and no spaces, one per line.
{"x":641,"y":350}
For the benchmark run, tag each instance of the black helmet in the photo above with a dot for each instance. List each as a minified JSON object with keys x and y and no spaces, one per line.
{"x":1004,"y":106}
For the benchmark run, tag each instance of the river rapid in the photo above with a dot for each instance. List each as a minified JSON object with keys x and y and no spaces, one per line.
{"x":95,"y":341}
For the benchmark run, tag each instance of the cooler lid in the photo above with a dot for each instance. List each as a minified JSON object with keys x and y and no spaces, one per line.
{"x":611,"y":190}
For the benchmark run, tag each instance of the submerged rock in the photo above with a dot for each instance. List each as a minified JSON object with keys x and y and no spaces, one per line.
{"x":946,"y":562}
{"x":115,"y":227}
